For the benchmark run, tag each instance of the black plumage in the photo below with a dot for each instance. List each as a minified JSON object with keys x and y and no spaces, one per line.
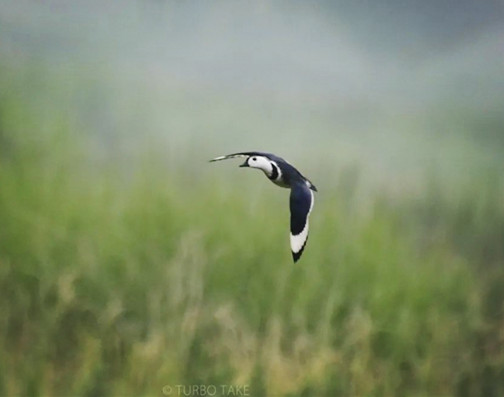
{"x":285,"y":175}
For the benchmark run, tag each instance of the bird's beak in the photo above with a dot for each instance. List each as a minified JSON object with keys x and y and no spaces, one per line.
{"x":244,"y":164}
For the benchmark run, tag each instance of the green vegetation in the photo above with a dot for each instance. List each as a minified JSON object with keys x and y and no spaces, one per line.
{"x":117,"y":282}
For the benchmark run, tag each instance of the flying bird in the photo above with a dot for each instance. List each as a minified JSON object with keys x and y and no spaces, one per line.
{"x":283,"y":174}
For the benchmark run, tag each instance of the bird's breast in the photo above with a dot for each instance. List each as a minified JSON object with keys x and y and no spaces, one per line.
{"x":280,"y":182}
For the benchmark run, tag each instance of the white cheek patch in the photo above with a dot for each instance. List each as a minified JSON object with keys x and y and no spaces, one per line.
{"x":263,"y":164}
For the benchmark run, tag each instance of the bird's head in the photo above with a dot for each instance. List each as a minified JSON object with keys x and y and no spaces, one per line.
{"x":260,"y":162}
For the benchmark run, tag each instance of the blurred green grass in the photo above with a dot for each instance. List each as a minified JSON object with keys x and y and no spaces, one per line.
{"x":118,"y":283}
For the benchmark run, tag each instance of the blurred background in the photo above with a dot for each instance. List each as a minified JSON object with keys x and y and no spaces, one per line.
{"x":130,"y":266}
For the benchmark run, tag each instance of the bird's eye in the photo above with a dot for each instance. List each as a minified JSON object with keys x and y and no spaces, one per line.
{"x":254,"y":159}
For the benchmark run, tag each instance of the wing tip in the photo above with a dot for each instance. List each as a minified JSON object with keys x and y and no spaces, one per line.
{"x":239,"y":154}
{"x":229,"y":156}
{"x":297,"y":255}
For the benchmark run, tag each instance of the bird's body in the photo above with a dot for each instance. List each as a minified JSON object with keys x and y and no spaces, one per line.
{"x":283,"y":174}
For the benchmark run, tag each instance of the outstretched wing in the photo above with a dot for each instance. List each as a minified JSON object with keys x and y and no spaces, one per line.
{"x":241,"y":154}
{"x":301,"y":204}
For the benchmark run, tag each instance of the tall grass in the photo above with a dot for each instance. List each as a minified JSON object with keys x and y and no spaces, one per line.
{"x":116,"y":283}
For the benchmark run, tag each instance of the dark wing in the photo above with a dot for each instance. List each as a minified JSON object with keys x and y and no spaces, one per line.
{"x":301,"y":204}
{"x":241,"y":154}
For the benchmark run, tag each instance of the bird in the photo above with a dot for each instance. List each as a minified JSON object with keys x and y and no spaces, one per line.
{"x":285,"y":175}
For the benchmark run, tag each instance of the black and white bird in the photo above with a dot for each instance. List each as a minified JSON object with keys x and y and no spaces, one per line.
{"x":283,"y":174}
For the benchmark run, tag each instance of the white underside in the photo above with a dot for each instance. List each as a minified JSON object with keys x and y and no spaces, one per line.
{"x":297,"y":241}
